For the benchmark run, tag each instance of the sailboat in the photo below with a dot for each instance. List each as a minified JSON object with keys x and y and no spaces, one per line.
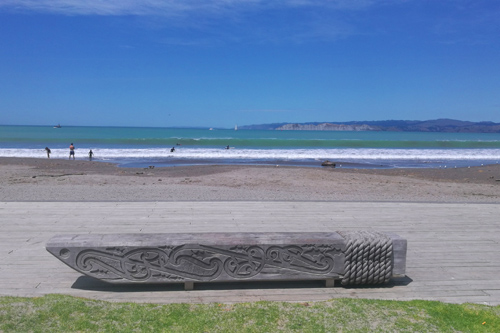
{"x":235,"y":127}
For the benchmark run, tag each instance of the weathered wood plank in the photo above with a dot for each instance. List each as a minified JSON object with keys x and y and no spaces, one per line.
{"x":453,"y":249}
{"x":365,"y":257}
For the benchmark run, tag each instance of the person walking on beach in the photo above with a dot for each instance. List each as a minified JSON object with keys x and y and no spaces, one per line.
{"x":71,"y":151}
{"x":90,"y":155}
{"x":48,"y":151}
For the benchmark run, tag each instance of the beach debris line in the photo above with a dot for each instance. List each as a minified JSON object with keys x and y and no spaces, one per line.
{"x":62,"y":175}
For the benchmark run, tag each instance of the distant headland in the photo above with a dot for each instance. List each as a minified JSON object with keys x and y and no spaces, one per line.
{"x":438,"y":125}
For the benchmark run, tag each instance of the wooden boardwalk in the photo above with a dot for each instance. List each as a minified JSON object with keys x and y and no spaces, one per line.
{"x":453,"y":249}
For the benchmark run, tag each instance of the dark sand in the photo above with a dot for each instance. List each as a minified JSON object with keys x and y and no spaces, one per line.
{"x":26,"y":179}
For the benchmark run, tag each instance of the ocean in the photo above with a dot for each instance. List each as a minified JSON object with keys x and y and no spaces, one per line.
{"x":143,"y":147}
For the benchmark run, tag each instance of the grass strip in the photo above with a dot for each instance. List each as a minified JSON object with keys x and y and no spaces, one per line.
{"x":60,"y":313}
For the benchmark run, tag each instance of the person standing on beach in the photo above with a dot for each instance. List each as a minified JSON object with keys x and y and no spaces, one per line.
{"x":48,"y":151}
{"x":71,"y":151}
{"x":90,"y":155}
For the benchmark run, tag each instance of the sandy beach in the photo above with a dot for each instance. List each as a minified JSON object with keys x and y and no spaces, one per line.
{"x":29,"y":179}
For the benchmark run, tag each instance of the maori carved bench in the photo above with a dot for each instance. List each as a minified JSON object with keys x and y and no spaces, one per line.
{"x":355,"y":257}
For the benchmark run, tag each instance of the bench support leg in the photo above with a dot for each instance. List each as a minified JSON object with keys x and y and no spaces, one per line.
{"x":329,"y":283}
{"x":188,"y":285}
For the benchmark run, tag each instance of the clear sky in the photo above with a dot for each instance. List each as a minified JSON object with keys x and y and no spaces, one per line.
{"x":218,"y":63}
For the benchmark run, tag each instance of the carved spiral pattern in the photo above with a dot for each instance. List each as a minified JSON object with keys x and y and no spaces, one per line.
{"x":362,"y":257}
{"x":368,"y":258}
{"x":202,"y":263}
{"x":245,"y":267}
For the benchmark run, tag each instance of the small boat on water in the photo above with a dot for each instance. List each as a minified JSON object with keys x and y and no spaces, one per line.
{"x":57,"y":126}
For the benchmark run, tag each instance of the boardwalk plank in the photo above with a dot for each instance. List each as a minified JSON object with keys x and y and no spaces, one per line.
{"x":453,"y":249}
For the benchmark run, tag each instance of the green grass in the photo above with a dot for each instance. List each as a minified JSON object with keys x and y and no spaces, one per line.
{"x":58,"y":313}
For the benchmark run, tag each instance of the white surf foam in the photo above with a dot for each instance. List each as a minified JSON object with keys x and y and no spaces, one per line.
{"x":265,"y":154}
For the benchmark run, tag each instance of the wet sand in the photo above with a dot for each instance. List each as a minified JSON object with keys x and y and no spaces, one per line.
{"x":26,"y":179}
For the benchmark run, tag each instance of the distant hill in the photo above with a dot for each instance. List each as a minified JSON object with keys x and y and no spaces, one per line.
{"x":438,"y":125}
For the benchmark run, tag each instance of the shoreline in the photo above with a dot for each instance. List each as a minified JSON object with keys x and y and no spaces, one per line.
{"x":32,"y":179}
{"x":266,"y":163}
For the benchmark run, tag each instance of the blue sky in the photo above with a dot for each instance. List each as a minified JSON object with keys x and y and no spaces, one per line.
{"x":220,"y":63}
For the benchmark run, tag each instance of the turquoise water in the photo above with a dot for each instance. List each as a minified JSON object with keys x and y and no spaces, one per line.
{"x":129,"y":146}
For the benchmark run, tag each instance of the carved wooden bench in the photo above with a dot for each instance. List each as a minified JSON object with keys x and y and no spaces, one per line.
{"x":355,"y":257}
